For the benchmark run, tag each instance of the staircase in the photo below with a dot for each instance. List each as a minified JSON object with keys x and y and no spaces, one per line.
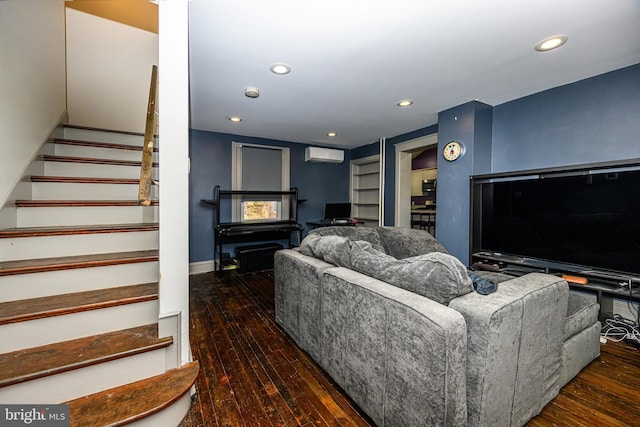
{"x":79,"y":290}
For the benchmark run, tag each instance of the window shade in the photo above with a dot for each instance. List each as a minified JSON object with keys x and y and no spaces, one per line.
{"x":261,"y":170}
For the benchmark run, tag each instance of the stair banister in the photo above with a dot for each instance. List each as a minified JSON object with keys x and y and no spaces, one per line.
{"x":147,"y":151}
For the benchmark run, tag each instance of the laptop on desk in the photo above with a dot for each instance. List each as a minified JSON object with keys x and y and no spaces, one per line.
{"x":337,"y":213}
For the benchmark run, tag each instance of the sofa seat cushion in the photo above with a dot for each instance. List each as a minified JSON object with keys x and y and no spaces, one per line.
{"x":408,"y":242}
{"x":582,"y":312}
{"x":437,"y":276}
{"x":578,"y":351}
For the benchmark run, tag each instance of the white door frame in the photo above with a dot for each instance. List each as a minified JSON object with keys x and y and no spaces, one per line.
{"x":403,"y":176}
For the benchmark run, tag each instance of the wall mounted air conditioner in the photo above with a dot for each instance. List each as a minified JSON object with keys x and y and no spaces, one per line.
{"x":326,"y":155}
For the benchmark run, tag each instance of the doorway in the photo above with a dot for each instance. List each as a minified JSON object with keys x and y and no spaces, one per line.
{"x":404,"y":155}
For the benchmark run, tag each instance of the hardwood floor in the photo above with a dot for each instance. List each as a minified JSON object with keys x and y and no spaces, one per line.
{"x":252,"y":374}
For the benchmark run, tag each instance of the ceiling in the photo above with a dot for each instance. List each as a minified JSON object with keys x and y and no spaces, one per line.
{"x":353,"y":61}
{"x":136,"y":13}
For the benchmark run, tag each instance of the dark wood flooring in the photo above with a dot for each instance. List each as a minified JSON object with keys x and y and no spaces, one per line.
{"x":252,"y":374}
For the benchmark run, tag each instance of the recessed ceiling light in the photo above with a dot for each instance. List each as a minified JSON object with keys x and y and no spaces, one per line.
{"x":405,"y":103}
{"x":234,"y":119}
{"x":280,"y":68}
{"x":551,"y":43}
{"x":331,"y":134}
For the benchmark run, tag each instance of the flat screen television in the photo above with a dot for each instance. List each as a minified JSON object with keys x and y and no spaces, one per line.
{"x":585,"y":219}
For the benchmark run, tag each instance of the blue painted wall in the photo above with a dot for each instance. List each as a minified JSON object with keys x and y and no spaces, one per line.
{"x":210,"y":154}
{"x":592,"y":120}
{"x":470,"y":125}
{"x":365,"y":150}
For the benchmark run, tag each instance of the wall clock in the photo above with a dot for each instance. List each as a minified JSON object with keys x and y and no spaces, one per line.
{"x":453,"y":150}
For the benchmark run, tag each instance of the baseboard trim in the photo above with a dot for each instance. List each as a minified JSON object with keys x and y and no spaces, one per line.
{"x":202,"y":267}
{"x":169,"y":325}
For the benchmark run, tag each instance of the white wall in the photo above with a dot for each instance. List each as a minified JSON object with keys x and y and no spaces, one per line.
{"x":108,"y":72}
{"x":32,"y":82}
{"x":174,"y":173}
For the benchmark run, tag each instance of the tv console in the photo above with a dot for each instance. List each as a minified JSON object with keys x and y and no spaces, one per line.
{"x":605,"y":285}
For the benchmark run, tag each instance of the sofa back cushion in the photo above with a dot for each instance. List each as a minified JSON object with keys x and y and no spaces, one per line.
{"x":436,"y":275}
{"x":335,"y":250}
{"x":400,"y":357}
{"x":367,"y":234}
{"x":408,"y":242}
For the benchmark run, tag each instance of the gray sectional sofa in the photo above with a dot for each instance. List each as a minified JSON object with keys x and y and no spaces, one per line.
{"x":396,"y":322}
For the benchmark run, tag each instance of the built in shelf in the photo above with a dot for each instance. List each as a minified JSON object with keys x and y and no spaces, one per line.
{"x":365,"y":189}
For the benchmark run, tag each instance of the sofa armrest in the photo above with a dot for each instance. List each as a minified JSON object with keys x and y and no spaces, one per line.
{"x":401,"y":357}
{"x":514,"y":348}
{"x":297,"y":297}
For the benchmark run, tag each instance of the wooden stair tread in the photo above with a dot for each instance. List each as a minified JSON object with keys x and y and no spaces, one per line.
{"x":98,"y":144}
{"x":29,"y":364}
{"x":76,"y":229}
{"x":92,"y":160}
{"x":124,"y":132}
{"x":134,"y":401}
{"x":77,"y":203}
{"x":77,"y":261}
{"x":83,"y":180}
{"x":58,"y":305}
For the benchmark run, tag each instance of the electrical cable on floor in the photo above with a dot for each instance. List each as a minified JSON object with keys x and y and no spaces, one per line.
{"x":619,"y":328}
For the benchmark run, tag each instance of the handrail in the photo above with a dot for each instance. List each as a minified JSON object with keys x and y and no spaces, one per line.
{"x":147,"y":150}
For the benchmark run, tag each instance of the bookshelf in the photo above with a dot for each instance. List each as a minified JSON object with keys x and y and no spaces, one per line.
{"x":365,"y":190}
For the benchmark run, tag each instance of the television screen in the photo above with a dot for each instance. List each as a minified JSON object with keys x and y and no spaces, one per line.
{"x":586,"y":218}
{"x":337,"y":210}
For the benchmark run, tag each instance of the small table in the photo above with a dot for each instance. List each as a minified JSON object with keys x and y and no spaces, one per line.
{"x":350,"y":222}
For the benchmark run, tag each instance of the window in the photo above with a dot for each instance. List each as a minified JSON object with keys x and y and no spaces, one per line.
{"x":260,"y":210}
{"x":260,"y":168}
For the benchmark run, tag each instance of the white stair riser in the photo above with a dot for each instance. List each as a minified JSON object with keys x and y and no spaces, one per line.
{"x":85,"y":215}
{"x":172,"y":415}
{"x":36,"y":285}
{"x":81,"y":191}
{"x":61,"y":149}
{"x":81,"y":382}
{"x":79,"y":244}
{"x":101,"y":136}
{"x":52,"y":168}
{"x":34,"y":333}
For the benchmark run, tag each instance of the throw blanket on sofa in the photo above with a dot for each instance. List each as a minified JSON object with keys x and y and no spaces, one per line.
{"x":435,"y":275}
